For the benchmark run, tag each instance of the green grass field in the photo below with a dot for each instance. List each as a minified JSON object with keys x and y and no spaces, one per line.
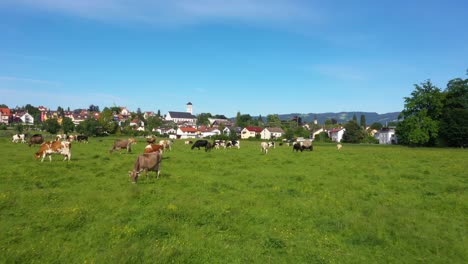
{"x":363,"y":204}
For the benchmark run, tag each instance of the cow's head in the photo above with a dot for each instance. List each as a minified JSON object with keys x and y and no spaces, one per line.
{"x":134,"y":175}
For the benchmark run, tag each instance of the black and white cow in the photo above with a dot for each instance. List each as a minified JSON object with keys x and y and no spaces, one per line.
{"x":233,"y":143}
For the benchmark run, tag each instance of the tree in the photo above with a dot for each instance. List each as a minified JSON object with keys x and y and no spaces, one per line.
{"x":19,"y":128}
{"x":153,"y":122}
{"x":93,"y":108}
{"x":88,"y":127}
{"x":354,"y":118}
{"x":3,"y":106}
{"x":202,"y":119}
{"x":51,"y":125}
{"x":363,"y":121}
{"x":107,"y":122}
{"x":454,"y":121}
{"x":421,"y":115}
{"x":273,"y":120}
{"x":376,"y":126}
{"x":353,"y":132}
{"x":67,"y":125}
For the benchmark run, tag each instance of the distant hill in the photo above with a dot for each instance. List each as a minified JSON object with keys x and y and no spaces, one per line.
{"x":343,"y":117}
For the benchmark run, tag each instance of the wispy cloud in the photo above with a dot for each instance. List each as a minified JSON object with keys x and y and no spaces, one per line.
{"x":176,"y":11}
{"x":27,"y":80}
{"x":340,"y":72}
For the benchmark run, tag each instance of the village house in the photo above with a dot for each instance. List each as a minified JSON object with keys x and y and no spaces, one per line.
{"x":5,"y":115}
{"x":250,"y":131}
{"x":208,"y":131}
{"x":271,"y":133}
{"x":336,"y":134}
{"x":187,"y":132}
{"x":386,"y":136}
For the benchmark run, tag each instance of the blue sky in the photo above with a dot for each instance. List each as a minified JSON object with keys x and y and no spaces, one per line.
{"x":248,"y":56}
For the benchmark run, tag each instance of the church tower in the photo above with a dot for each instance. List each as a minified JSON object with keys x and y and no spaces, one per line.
{"x":189,"y":107}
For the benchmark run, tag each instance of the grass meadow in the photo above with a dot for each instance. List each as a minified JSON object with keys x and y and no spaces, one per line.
{"x":363,"y":204}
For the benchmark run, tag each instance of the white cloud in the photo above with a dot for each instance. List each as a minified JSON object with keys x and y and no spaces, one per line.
{"x":27,"y":80}
{"x":161,"y":12}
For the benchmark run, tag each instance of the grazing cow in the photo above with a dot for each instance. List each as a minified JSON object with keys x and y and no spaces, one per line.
{"x":233,"y":143}
{"x":339,"y":146}
{"x":150,"y":148}
{"x":123,"y":144}
{"x":82,"y":138}
{"x":188,"y":142}
{"x":271,"y":144}
{"x":146,"y":162}
{"x":166,"y":144}
{"x":200,"y":143}
{"x":18,"y":137}
{"x":307,"y":144}
{"x":209,"y":146}
{"x":150,"y":140}
{"x":54,"y":147}
{"x":36,"y":139}
{"x":70,"y":138}
{"x":264,"y":146}
{"x":297,"y":147}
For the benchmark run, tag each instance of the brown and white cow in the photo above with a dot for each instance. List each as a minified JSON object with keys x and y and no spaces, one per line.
{"x":123,"y":144}
{"x":146,"y":162}
{"x":150,"y":148}
{"x":167,"y":144}
{"x":54,"y":147}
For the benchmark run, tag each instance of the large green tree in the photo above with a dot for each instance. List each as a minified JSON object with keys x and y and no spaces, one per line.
{"x":454,"y":121}
{"x":51,"y":125}
{"x":353,"y":132}
{"x":273,"y":120}
{"x":421,"y":115}
{"x":67,"y":125}
{"x":202,"y":119}
{"x":107,"y":122}
{"x":88,"y":127}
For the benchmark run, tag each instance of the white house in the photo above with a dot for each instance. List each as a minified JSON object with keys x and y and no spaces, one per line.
{"x":271,"y":133}
{"x":249,"y":132}
{"x":386,"y":136}
{"x":209,"y":132}
{"x":336,"y":134}
{"x":187,"y":132}
{"x":27,"y":119}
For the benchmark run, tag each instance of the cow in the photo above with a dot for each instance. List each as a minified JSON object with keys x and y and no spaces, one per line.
{"x":200,"y":143}
{"x":271,"y":144}
{"x":150,"y":139}
{"x":233,"y":143}
{"x":264,"y":146}
{"x":146,"y":162}
{"x":166,"y":144}
{"x":188,"y":142}
{"x":18,"y":137}
{"x":307,"y":144}
{"x":70,"y":138}
{"x":297,"y":147}
{"x":36,"y":139}
{"x":339,"y":146}
{"x":209,"y":146}
{"x":123,"y":144}
{"x":82,"y":138}
{"x":150,"y":148}
{"x":54,"y":147}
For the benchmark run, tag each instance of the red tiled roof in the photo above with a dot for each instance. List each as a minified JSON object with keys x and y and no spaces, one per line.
{"x":254,"y":129}
{"x":5,"y":111}
{"x":188,"y":129}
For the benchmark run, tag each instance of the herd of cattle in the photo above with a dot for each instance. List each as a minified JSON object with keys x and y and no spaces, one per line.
{"x":151,"y":158}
